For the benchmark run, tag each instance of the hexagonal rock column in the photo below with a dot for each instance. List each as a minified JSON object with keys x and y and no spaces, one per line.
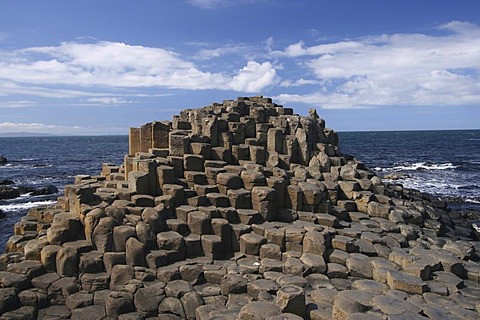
{"x":263,"y":201}
{"x":291,"y":299}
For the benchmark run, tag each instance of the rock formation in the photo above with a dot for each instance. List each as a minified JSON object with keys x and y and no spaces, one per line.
{"x":245,"y":210}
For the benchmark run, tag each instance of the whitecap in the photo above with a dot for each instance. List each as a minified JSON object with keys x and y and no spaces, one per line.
{"x":425,"y":166}
{"x":469,"y":200}
{"x":25,"y":206}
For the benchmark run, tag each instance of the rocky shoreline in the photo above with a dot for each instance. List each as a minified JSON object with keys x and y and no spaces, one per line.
{"x":244,"y":210}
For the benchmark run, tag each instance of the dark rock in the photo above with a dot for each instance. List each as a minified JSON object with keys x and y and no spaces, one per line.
{"x":50,"y":189}
{"x":42,"y":191}
{"x":396,"y":176}
{"x":3,"y":160}
{"x":6,"y":182}
{"x":119,"y":303}
{"x":8,"y":299}
{"x":9,"y":193}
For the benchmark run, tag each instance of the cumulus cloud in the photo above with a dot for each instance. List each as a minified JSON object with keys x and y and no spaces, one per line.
{"x":254,"y":77}
{"x":113,"y":64}
{"x":397,"y":69}
{"x":370,"y":71}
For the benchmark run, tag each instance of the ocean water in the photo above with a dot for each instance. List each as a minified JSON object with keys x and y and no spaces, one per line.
{"x":443,"y":163}
{"x":41,"y":161}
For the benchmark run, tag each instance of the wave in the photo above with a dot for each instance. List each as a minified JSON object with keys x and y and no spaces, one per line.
{"x":470,"y":200}
{"x":425,"y":166}
{"x":25,"y":206}
{"x":417,"y":166}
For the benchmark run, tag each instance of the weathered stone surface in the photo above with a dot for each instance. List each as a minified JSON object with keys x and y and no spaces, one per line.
{"x":314,"y":263}
{"x":148,"y":299}
{"x":291,"y":299}
{"x":89,"y":312}
{"x":120,"y":275}
{"x":250,"y":243}
{"x":8,"y":299}
{"x":135,"y":252}
{"x":405,"y":282}
{"x":67,"y":262}
{"x":233,"y":283}
{"x":118,"y":303}
{"x":92,"y":282}
{"x":348,"y":302}
{"x":258,"y":310}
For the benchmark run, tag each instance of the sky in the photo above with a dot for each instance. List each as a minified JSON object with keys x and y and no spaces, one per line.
{"x":99,"y":67}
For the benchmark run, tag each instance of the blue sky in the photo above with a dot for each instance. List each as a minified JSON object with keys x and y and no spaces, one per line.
{"x":99,"y":67}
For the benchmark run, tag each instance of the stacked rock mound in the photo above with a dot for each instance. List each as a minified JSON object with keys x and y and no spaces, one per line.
{"x":244,"y":210}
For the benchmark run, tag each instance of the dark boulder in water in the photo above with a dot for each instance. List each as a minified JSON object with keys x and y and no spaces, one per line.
{"x":6,"y":182}
{"x":40,"y":165}
{"x":3,"y":160}
{"x":9,"y":193}
{"x":50,"y":189}
{"x":396,"y":176}
{"x":2,"y":215}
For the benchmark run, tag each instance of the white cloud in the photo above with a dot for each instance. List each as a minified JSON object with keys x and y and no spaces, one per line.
{"x":207,"y":54}
{"x":299,"y":83}
{"x":397,"y":69}
{"x":34,"y":127}
{"x":254,"y":77}
{"x":118,"y":65}
{"x":109,"y":101}
{"x":16,"y":104}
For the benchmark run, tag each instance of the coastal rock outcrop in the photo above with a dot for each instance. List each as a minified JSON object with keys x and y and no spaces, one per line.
{"x":241,"y":209}
{"x":7,"y":192}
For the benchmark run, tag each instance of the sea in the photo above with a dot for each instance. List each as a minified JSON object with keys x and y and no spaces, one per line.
{"x":443,"y":163}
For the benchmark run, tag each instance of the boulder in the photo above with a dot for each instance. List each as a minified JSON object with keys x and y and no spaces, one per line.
{"x":9,"y":193}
